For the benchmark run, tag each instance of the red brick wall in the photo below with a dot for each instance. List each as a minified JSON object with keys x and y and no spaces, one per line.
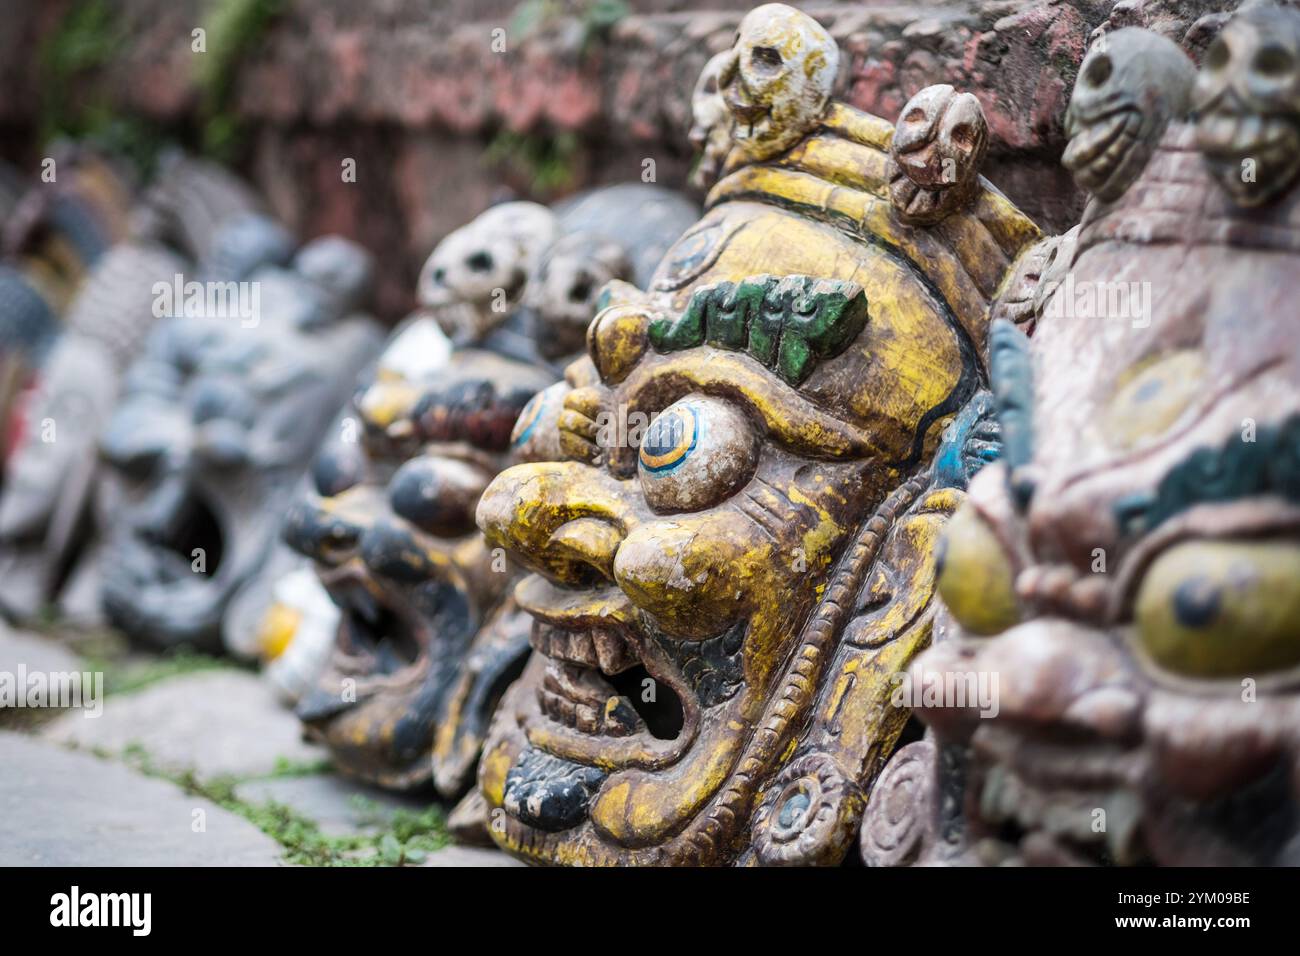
{"x":413,"y":92}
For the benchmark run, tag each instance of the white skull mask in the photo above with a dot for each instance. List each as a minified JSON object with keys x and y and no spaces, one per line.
{"x":564,"y":289}
{"x":477,"y":274}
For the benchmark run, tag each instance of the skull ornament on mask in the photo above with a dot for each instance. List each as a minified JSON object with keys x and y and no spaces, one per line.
{"x":1248,"y":99}
{"x":1038,"y":272}
{"x":1131,"y":84}
{"x":777,"y":80}
{"x":610,"y":233}
{"x":710,"y":122}
{"x":938,"y":146}
{"x":564,"y":289}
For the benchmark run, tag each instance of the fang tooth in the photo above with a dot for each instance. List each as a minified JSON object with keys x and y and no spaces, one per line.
{"x":620,"y":719}
{"x":612,"y":652}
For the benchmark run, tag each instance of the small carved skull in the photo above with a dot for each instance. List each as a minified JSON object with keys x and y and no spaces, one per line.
{"x":777,"y":79}
{"x":477,"y":275}
{"x":1038,"y":272}
{"x":939,"y":144}
{"x":564,"y":289}
{"x":1248,"y":99}
{"x":1131,"y":84}
{"x":710,"y":122}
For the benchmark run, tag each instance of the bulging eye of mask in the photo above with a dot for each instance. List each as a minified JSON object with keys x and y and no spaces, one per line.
{"x":697,"y":452}
{"x":1213,"y":609}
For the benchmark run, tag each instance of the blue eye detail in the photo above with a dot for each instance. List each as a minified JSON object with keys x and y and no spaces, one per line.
{"x":529,"y":417}
{"x":670,"y":439}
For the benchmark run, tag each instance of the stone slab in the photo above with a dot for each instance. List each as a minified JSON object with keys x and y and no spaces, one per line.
{"x":469,"y":856}
{"x":35,"y":652}
{"x":63,"y":808}
{"x":214,"y":723}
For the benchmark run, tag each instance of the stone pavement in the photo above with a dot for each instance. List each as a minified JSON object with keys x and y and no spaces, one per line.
{"x":224,"y":722}
{"x":197,"y":769}
{"x":36,"y":653}
{"x":60,"y":808}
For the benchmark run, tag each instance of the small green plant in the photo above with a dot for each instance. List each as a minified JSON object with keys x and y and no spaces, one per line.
{"x":547,"y":163}
{"x":598,"y":18}
{"x":72,"y":105}
{"x":402,"y":837}
{"x":124,"y":675}
{"x":595,"y":19}
{"x":232,"y":27}
{"x":284,"y":767}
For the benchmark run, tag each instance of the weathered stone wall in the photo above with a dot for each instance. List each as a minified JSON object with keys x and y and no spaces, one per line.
{"x":416,"y":92}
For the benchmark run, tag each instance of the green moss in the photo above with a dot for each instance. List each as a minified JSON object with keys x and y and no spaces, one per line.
{"x":598,"y":18}
{"x":131,"y":674}
{"x":232,"y":27}
{"x":92,"y":35}
{"x":532,"y":16}
{"x":402,"y":837}
{"x":72,"y":106}
{"x":284,"y":767}
{"x":547,"y":163}
{"x":125,"y":669}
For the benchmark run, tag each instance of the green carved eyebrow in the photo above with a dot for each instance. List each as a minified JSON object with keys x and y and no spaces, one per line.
{"x":1268,"y":465}
{"x":788,"y":323}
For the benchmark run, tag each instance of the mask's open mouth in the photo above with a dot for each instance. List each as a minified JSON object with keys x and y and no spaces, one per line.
{"x":1044,"y":804}
{"x":751,"y":120}
{"x":609,"y":695}
{"x":188,"y":541}
{"x":376,"y":639}
{"x":375,"y":629}
{"x":756,"y":129}
{"x":596,"y":684}
{"x":1227,"y":137}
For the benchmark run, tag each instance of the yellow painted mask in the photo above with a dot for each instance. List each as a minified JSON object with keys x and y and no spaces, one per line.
{"x":732,"y":546}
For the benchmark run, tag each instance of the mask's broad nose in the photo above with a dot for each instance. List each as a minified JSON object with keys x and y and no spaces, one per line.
{"x":565,"y":520}
{"x":437,"y":495}
{"x":1047,"y":673}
